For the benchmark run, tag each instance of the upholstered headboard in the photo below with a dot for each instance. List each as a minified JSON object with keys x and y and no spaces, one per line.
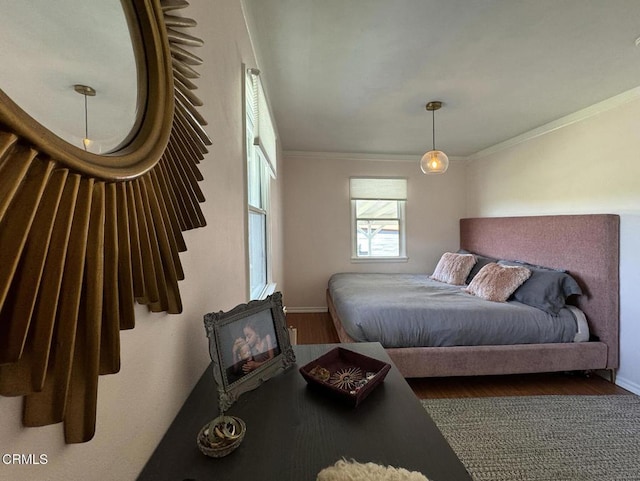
{"x":587,"y":246}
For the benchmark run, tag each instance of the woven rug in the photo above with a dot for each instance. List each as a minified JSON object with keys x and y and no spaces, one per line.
{"x":550,"y":438}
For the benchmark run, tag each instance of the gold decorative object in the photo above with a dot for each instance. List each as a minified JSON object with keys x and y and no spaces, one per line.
{"x":346,"y":378}
{"x":83,"y":236}
{"x":221,"y":436}
{"x":320,"y":373}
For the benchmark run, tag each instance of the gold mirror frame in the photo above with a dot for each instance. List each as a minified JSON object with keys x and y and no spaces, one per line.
{"x":85,"y":236}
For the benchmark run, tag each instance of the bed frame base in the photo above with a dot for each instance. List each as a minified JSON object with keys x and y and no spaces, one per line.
{"x":491,"y":360}
{"x":488,"y":360}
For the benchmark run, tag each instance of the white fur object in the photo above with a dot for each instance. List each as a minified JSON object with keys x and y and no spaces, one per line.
{"x":353,"y":471}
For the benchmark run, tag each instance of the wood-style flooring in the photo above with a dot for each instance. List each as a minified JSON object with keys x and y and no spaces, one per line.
{"x":317,"y":328}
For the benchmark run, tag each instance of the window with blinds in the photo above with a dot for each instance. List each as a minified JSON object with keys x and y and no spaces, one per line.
{"x":261,"y":167}
{"x":264,"y":134}
{"x":378,"y":218}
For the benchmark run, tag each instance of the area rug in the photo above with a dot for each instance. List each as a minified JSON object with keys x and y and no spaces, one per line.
{"x":550,"y":438}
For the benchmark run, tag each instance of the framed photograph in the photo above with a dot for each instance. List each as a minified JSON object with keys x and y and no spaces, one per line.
{"x":248,"y":345}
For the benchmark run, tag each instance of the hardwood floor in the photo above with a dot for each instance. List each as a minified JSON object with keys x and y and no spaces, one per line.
{"x":317,"y":328}
{"x":313,"y":328}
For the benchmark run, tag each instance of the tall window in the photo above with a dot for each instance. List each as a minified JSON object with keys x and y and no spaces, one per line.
{"x":378,"y":218}
{"x":261,"y":163}
{"x":258,"y":207}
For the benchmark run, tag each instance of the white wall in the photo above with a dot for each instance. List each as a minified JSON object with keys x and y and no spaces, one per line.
{"x":592,"y":166}
{"x":164,"y":356}
{"x":317,"y":220}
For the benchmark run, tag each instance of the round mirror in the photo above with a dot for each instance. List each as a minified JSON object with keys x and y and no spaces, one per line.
{"x":112,"y":215}
{"x":75,"y":68}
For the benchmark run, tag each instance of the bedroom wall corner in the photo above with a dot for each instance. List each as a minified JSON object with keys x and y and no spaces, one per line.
{"x":587,"y":167}
{"x":317,"y":220}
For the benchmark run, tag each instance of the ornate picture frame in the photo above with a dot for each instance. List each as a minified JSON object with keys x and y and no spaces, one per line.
{"x":248,"y":345}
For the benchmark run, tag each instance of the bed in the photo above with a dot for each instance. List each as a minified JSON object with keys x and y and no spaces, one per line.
{"x":586,"y":246}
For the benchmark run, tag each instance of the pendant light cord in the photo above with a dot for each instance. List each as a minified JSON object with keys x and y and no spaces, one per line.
{"x":86,"y":123}
{"x":433,"y":126}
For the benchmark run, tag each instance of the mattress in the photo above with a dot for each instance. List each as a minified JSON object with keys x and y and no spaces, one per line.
{"x":412,"y":310}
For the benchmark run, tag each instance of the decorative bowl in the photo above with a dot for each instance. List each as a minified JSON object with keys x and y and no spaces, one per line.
{"x":221,"y":436}
{"x":345,"y":374}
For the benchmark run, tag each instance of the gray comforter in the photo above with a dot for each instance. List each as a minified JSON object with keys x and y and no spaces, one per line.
{"x":409,"y":310}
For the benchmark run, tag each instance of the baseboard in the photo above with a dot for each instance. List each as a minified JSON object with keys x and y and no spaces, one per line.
{"x":305,"y":310}
{"x":628,"y":385}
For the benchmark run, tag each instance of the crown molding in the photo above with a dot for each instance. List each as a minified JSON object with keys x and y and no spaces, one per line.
{"x":580,"y":115}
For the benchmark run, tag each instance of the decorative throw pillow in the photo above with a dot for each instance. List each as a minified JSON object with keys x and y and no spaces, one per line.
{"x":453,"y":268}
{"x":546,"y":289}
{"x":497,"y":282}
{"x":481,"y":261}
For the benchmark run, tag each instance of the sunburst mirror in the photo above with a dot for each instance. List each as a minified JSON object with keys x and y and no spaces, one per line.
{"x":87,"y":232}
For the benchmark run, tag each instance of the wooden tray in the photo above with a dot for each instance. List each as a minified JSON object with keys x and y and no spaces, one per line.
{"x":345,"y":374}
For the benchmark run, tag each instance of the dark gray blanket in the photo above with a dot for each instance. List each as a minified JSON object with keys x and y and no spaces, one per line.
{"x":410,"y":310}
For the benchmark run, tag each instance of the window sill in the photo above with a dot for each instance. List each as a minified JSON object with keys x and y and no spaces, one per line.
{"x":360,"y":260}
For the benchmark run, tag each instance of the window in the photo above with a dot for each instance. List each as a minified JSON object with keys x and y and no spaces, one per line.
{"x":258,"y":189}
{"x":377,"y":218}
{"x":261,"y":167}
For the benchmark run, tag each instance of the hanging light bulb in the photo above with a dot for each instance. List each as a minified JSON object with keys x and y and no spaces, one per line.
{"x":87,"y":92}
{"x":434,"y":161}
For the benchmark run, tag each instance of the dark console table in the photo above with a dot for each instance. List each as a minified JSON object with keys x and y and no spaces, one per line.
{"x":294,"y":431}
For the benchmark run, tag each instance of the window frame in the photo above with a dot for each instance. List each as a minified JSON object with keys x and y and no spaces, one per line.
{"x":256,"y":162}
{"x":401,"y":219}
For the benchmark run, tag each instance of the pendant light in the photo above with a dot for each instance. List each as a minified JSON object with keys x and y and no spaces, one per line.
{"x":434,"y":161}
{"x":87,"y":92}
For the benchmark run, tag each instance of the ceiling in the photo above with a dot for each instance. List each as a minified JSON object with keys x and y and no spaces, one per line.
{"x":353,"y":76}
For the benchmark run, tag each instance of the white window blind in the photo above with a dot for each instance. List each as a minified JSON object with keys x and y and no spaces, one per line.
{"x":264,"y":133}
{"x":378,"y":189}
